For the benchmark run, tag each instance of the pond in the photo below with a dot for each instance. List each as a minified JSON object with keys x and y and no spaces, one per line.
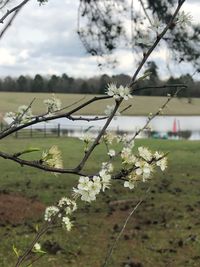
{"x":129,"y":124}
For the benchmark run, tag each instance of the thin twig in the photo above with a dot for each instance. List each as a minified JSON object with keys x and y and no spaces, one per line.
{"x":110,"y":252}
{"x":9,"y":23}
{"x":158,"y":39}
{"x":145,"y":12}
{"x":96,"y":141}
{"x":13,"y":10}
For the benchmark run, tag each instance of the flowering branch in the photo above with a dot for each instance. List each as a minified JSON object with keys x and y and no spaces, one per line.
{"x":42,"y":118}
{"x":134,"y":168}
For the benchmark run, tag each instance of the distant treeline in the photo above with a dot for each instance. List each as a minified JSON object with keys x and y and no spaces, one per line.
{"x":97,"y":85}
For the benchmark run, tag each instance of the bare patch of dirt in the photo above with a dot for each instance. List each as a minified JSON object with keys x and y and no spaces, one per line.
{"x":16,"y":209}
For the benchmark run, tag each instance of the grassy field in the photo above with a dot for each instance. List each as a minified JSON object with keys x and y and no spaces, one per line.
{"x":163,"y":232}
{"x":140,"y":105}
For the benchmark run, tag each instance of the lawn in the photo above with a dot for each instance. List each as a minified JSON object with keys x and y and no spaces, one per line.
{"x":163,"y":232}
{"x":141,"y":105}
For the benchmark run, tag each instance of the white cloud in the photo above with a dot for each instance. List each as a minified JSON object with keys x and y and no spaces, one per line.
{"x":43,"y":40}
{"x":6,"y":58}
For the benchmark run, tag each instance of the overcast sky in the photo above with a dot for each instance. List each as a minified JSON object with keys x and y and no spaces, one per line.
{"x":43,"y":40}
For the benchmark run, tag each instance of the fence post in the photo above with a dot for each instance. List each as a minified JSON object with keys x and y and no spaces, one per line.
{"x":45,"y":130}
{"x":31,"y":132}
{"x":58,"y":132}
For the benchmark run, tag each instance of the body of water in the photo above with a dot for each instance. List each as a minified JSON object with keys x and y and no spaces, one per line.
{"x":130,"y":124}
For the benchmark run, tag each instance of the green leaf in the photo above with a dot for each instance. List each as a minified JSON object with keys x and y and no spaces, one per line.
{"x":146,"y":74}
{"x":15,"y":251}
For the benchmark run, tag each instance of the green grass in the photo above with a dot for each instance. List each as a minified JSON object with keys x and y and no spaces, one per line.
{"x":163,"y":232}
{"x":140,"y":105}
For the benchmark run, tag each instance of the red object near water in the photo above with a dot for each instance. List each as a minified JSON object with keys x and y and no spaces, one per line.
{"x":174,"y":130}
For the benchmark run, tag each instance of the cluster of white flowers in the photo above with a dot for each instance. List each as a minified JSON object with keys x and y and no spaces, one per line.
{"x":109,"y":109}
{"x":22,"y":115}
{"x":52,"y":157}
{"x":68,"y":205}
{"x":88,"y":188}
{"x":184,"y":19}
{"x":142,"y":164}
{"x":144,"y":169}
{"x":119,"y":92}
{"x":63,"y":210}
{"x":53,"y":104}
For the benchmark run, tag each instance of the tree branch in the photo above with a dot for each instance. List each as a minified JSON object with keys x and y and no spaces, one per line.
{"x":159,"y":37}
{"x":13,"y":10}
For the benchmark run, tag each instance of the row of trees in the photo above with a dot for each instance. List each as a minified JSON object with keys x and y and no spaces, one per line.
{"x":97,"y":85}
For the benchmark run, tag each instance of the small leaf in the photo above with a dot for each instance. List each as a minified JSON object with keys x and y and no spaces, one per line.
{"x":146,"y":74}
{"x":15,"y":251}
{"x":30,"y":150}
{"x":37,"y":228}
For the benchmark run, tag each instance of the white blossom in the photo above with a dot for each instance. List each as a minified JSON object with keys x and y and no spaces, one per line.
{"x":184,"y":19}
{"x":145,"y":153}
{"x":144,"y":169}
{"x":53,"y":157}
{"x":22,"y":115}
{"x":37,"y":247}
{"x":119,"y":92}
{"x":125,"y":92}
{"x":53,"y":104}
{"x":68,"y":205}
{"x":105,"y":179}
{"x":129,"y":184}
{"x":67,"y":223}
{"x":50,"y":212}
{"x":96,"y":185}
{"x":111,"y":153}
{"x":88,"y":188}
{"x":161,"y":161}
{"x":84,"y":183}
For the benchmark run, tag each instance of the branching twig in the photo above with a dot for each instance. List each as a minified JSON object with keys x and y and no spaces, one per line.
{"x":9,"y":23}
{"x":13,"y":10}
{"x":159,"y":37}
